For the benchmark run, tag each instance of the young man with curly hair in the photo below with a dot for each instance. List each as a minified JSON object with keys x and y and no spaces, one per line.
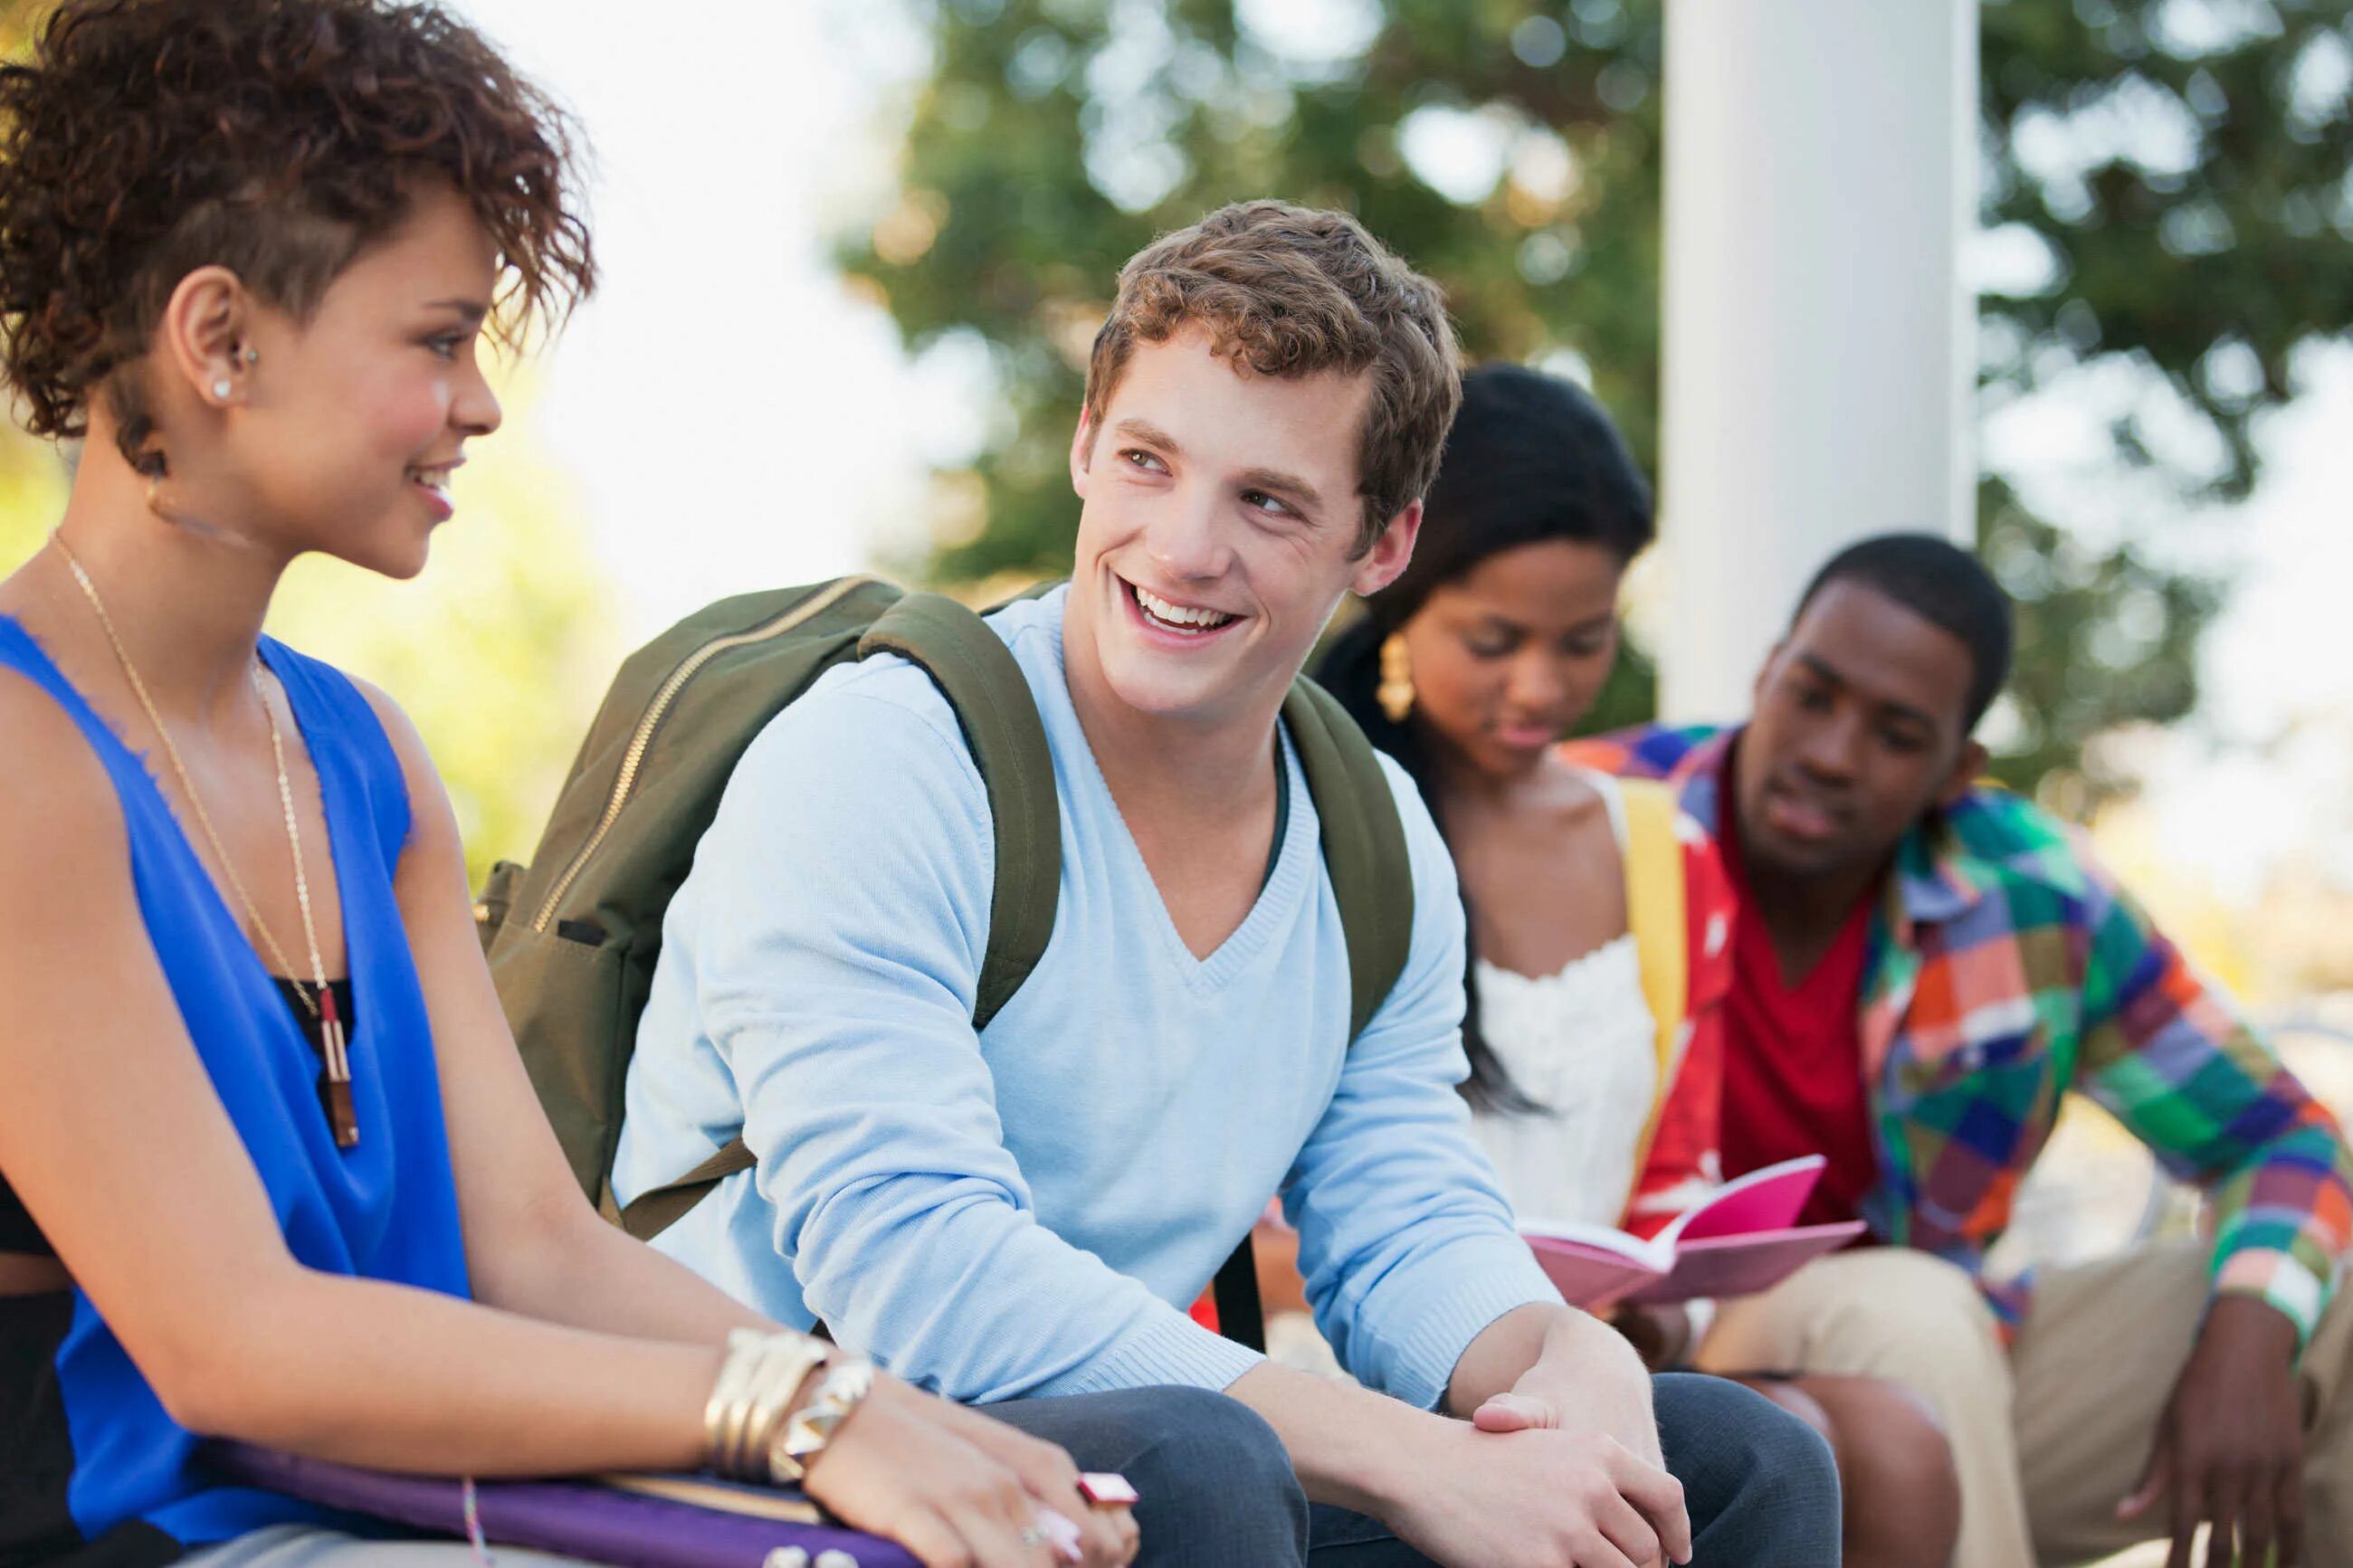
{"x":1027,"y":1208}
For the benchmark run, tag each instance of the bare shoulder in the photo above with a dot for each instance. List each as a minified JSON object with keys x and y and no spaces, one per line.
{"x":425,"y":791}
{"x":57,"y":800}
{"x":65,"y":851}
{"x":399,"y":728}
{"x":1581,"y":802}
{"x":433,"y":822}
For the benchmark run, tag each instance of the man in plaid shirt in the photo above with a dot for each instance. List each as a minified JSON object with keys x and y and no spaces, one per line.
{"x":1923,"y":966}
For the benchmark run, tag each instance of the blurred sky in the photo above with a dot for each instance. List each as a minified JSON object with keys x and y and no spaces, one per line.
{"x":2263,"y":777}
{"x":732,"y":418}
{"x":735,"y":420}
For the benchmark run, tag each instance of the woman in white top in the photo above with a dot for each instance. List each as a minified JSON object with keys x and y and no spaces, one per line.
{"x":1499,"y":638}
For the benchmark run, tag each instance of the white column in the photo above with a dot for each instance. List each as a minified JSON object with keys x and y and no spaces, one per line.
{"x":1820,"y":345}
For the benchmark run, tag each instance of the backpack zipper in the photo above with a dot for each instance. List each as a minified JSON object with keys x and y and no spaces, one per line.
{"x":642,"y":738}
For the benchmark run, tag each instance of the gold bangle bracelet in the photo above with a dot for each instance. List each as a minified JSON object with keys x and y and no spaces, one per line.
{"x":756,"y":1386}
{"x":727,"y":1396}
{"x":735,"y":1435}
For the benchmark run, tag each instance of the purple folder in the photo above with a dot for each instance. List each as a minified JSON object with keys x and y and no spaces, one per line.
{"x":637,"y":1521}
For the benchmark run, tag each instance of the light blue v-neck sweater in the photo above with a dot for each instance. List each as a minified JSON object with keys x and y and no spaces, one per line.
{"x":1029,"y":1210}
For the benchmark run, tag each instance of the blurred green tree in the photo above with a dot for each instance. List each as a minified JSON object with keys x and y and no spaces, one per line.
{"x":2167,"y":179}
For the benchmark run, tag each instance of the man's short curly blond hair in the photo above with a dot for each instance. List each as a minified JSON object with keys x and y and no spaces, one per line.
{"x":1293,"y":291}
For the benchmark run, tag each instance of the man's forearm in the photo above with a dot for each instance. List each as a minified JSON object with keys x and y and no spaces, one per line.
{"x":1348,"y":1446}
{"x":1502,"y":1354}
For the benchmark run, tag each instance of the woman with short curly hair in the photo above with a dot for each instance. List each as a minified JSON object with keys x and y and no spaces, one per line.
{"x":269,"y":1167}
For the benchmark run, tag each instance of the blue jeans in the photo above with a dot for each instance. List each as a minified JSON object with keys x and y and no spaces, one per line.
{"x":1218,"y":1491}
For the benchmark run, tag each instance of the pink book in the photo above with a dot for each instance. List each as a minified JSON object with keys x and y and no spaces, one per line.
{"x":1741,"y":1240}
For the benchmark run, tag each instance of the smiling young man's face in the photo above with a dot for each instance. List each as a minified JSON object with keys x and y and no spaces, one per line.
{"x":1220,"y":526}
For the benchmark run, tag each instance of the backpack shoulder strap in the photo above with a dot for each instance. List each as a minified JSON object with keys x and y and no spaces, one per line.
{"x":1656,"y":917}
{"x":656,"y":1209}
{"x":1364,"y":845}
{"x":984,"y":684}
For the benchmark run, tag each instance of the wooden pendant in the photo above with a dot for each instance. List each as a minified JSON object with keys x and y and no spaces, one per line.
{"x":343,"y":1118}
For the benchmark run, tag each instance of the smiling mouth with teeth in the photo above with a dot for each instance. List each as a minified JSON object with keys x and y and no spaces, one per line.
{"x":1181,"y":619}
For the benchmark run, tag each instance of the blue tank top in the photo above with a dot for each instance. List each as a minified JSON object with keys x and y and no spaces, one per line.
{"x":131,"y":1487}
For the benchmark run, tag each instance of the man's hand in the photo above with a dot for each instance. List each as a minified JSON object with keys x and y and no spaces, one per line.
{"x":1584,"y":1378}
{"x":1532,"y":1497}
{"x":1583,"y":1404}
{"x":2230,"y":1445}
{"x":1560,"y":1465}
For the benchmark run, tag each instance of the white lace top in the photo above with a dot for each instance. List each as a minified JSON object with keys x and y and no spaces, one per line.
{"x":1580,"y":1043}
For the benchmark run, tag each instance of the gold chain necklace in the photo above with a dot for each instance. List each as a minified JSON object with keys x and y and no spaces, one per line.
{"x":336,"y":1084}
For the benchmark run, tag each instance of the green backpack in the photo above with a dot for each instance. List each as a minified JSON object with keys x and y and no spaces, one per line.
{"x":574,"y":937}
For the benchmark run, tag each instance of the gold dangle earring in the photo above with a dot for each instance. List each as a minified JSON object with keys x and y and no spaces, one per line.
{"x":1394,"y":694}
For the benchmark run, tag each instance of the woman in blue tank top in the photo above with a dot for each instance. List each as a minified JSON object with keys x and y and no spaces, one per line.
{"x":269,"y":1167}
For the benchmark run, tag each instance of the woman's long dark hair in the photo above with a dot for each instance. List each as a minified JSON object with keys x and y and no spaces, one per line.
{"x":1531,"y":458}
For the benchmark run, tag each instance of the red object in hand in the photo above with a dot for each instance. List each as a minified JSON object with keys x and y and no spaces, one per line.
{"x":1106,"y":1490}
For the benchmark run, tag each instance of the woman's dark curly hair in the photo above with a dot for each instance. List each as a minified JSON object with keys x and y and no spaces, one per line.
{"x":143,"y":139}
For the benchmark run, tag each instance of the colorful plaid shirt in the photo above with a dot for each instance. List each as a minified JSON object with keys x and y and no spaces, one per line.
{"x":2007,"y":966}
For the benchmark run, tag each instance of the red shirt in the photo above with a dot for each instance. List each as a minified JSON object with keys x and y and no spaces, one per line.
{"x":1793,"y":1057}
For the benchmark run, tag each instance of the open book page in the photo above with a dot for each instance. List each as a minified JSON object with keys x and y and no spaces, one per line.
{"x":1592,"y":1265}
{"x":1768,"y":1198}
{"x":1587,"y":1276}
{"x":1740,"y":1241}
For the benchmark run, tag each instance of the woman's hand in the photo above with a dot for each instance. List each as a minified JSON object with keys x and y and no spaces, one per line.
{"x":1107,"y":1535}
{"x":958,"y":1490}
